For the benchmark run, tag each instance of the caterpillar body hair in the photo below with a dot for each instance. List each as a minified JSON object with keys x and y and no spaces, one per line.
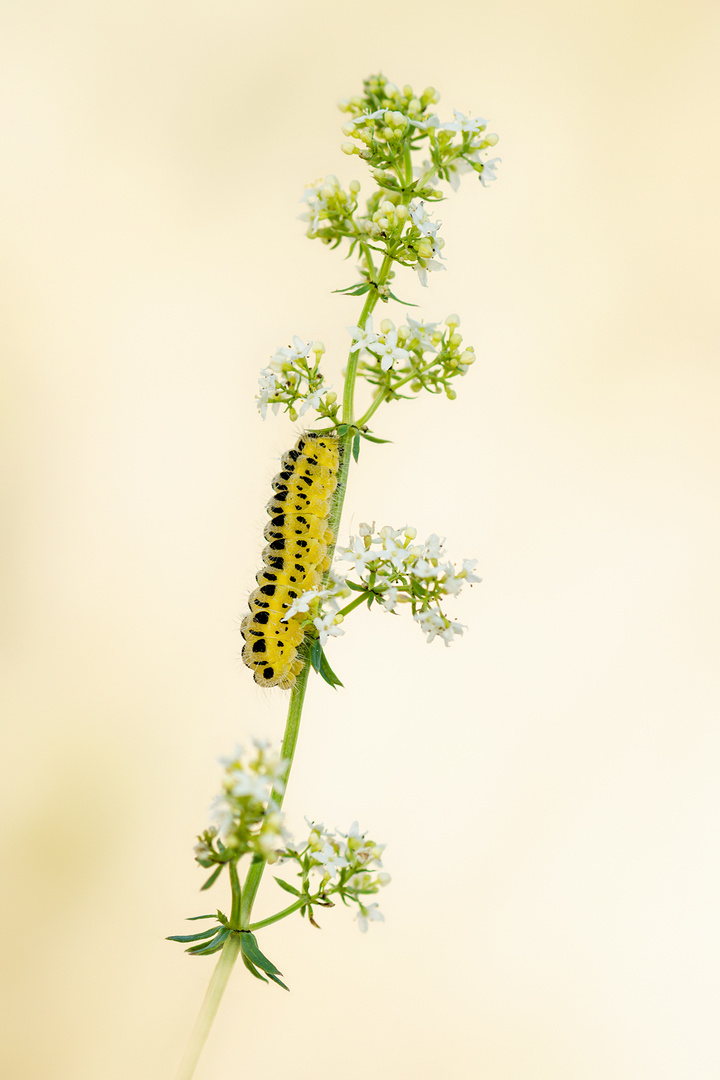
{"x":294,"y":560}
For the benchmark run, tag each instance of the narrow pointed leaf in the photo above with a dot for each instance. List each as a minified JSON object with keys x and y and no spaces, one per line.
{"x":287,"y":887}
{"x":251,"y":951}
{"x":211,"y":946}
{"x":319,"y":662}
{"x":194,"y":937}
{"x":252,"y":969}
{"x":193,"y":918}
{"x":355,"y":587}
{"x":356,"y":447}
{"x":278,"y":981}
{"x":213,"y":878}
{"x":374,"y":438}
{"x":397,"y":298}
{"x":316,"y":654}
{"x":354,"y":290}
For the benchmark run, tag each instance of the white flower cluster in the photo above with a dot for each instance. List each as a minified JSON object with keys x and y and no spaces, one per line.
{"x":383,"y":344}
{"x":349,"y":864}
{"x":329,"y":206}
{"x":244,"y":818}
{"x":294,"y":380}
{"x":417,"y":356}
{"x":327,"y":623}
{"x":395,"y":571}
{"x":428,"y":247}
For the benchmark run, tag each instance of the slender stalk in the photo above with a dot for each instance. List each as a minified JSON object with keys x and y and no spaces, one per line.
{"x":236,"y":896}
{"x":289,"y":743}
{"x":279,"y":915}
{"x":354,"y":357}
{"x":243,"y":899}
{"x":209,"y":1007}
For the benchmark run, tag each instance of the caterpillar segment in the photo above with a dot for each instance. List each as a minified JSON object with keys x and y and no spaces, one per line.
{"x":294,"y":559}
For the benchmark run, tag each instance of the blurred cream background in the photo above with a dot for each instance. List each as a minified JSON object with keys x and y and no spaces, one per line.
{"x":548,"y":788}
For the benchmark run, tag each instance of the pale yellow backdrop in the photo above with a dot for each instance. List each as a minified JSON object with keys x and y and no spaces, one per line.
{"x":548,"y":788}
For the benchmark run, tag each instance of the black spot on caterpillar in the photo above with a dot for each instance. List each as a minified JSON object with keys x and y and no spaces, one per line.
{"x":294,"y":559}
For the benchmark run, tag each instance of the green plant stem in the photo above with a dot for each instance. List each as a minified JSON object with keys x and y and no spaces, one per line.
{"x":354,"y":357}
{"x":236,"y":896}
{"x":287,"y":751}
{"x":302,"y":902}
{"x":243,"y":899}
{"x":362,"y":599}
{"x":209,"y":1007}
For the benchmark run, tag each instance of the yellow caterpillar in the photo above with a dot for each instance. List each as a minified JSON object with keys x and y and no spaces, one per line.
{"x":294,"y":560}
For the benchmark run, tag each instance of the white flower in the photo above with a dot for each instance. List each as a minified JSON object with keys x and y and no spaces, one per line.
{"x":389,"y":350}
{"x":455,"y":628}
{"x":364,"y":117}
{"x":464,"y":123}
{"x":422,"y":219}
{"x":267,"y":383}
{"x":431,"y":121}
{"x":455,"y":169}
{"x":452,"y":582}
{"x":312,"y":400}
{"x":425,"y":570}
{"x":357,"y":554}
{"x":421,"y":334}
{"x":330,"y":860}
{"x":302,"y":603}
{"x":363,"y":337}
{"x":431,"y":623}
{"x":367,"y":914}
{"x":467,"y":567}
{"x":222,"y":811}
{"x":433,"y":546}
{"x":390,"y":598}
{"x":250,"y":784}
{"x":318,"y":196}
{"x":488,"y":173}
{"x":325,"y":625}
{"x":300,"y":349}
{"x":423,"y":267}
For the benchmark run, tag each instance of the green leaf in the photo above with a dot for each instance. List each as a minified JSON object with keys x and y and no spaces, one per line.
{"x":355,"y":587}
{"x":192,"y":918}
{"x":251,"y":949}
{"x":194,"y":937}
{"x":355,"y":290}
{"x":251,"y":952}
{"x":374,"y":438}
{"x":287,"y":887}
{"x":252,"y":969}
{"x":316,"y":654}
{"x":210,"y":946}
{"x":356,"y":447}
{"x":399,"y":301}
{"x":213,"y":877}
{"x":319,"y":662}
